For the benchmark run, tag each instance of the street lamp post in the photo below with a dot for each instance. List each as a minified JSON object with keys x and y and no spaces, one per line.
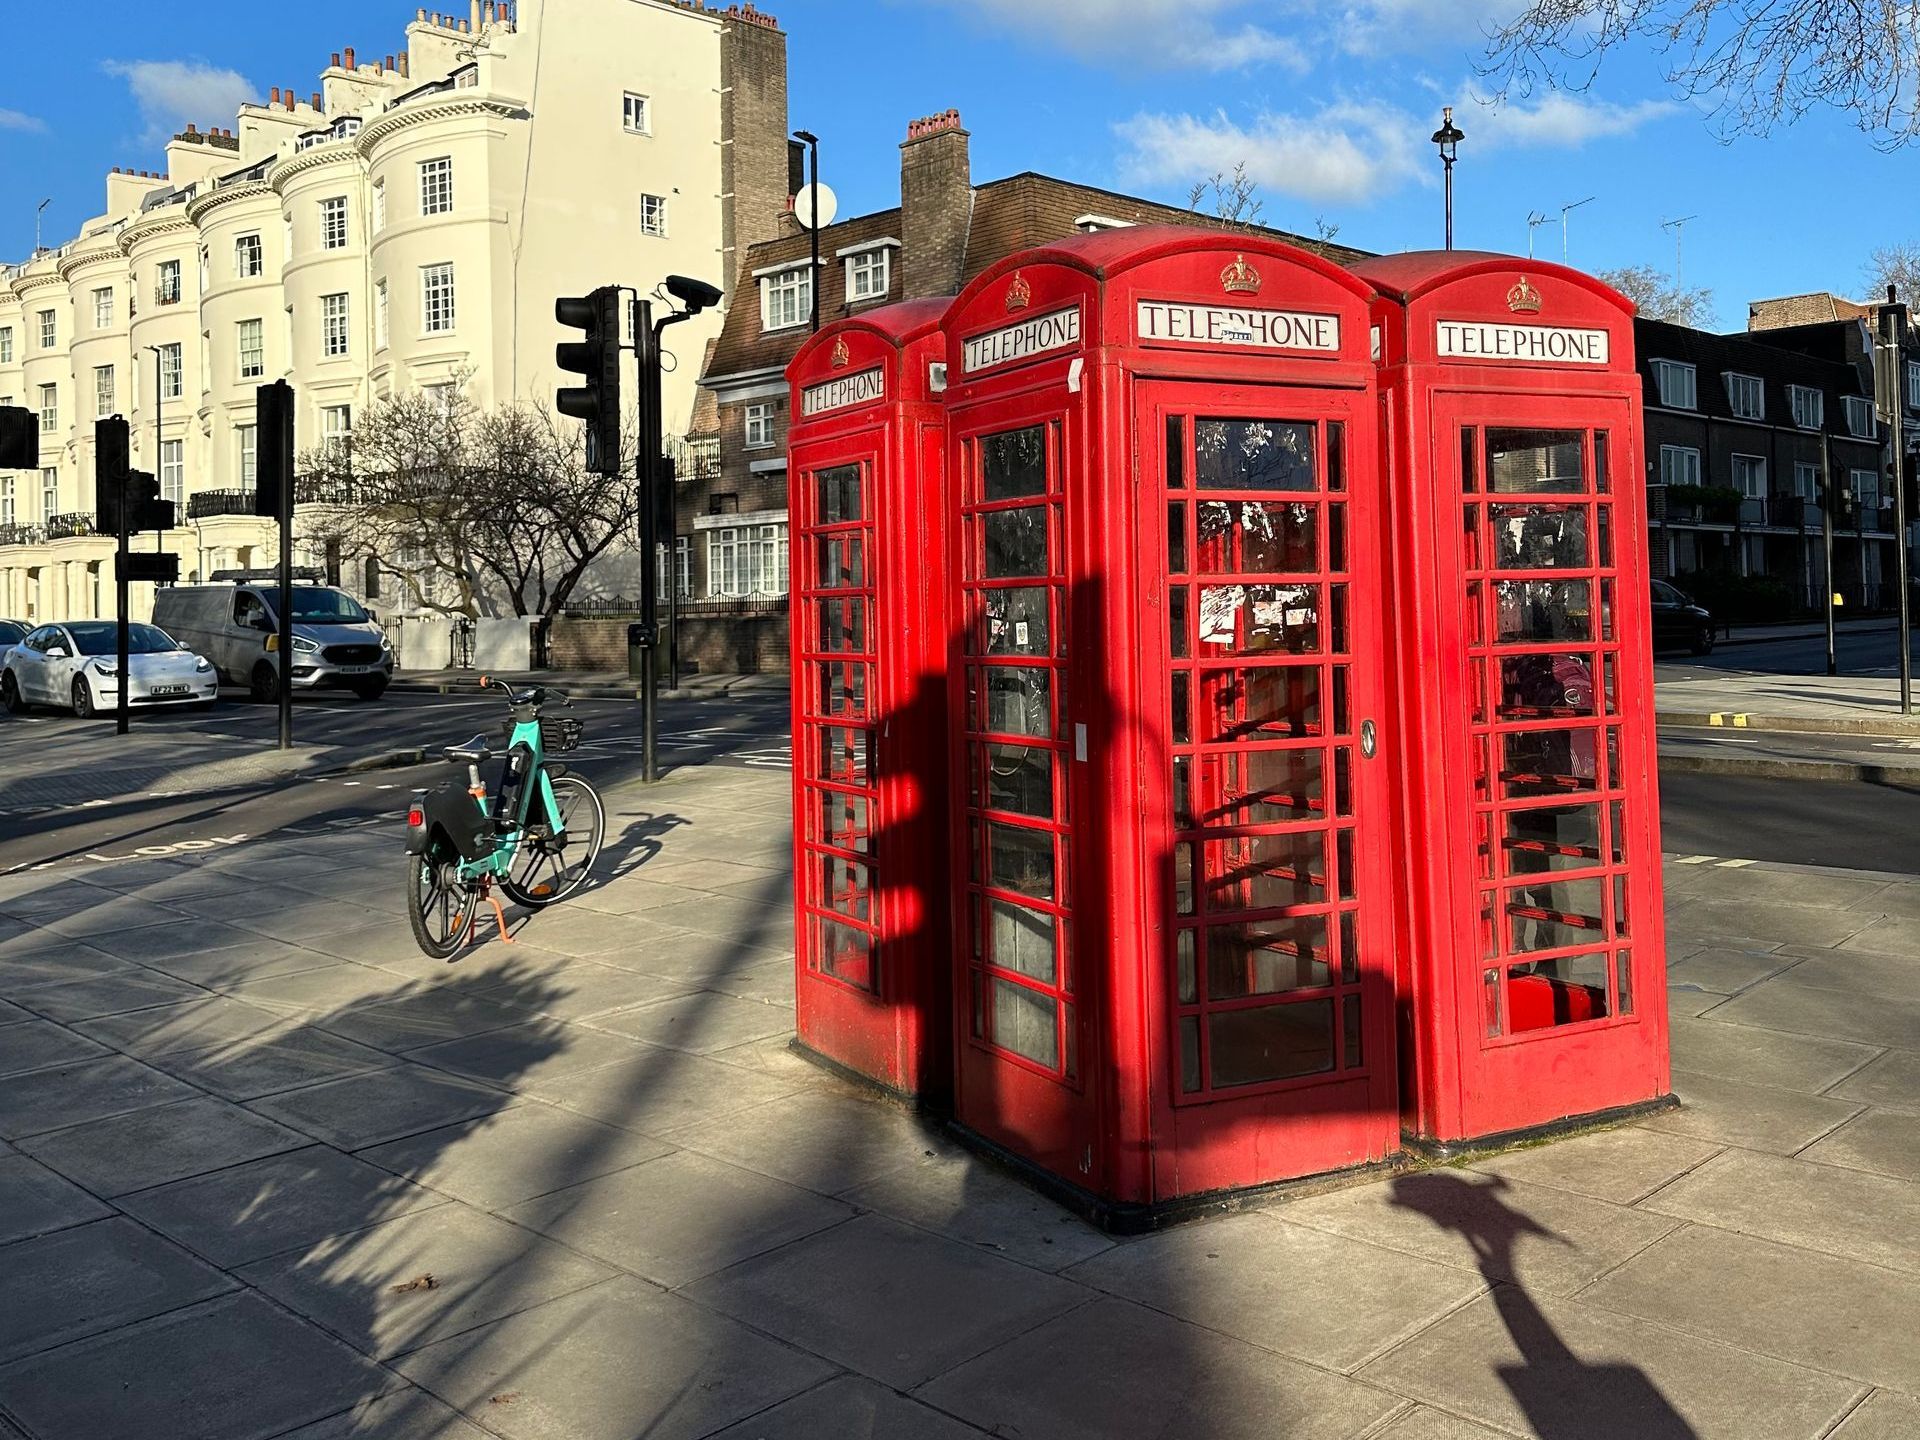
{"x":1448,"y":138}
{"x":812,"y":142}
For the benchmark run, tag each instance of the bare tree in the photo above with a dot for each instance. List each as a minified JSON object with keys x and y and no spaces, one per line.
{"x":1898,"y":266}
{"x":1659,"y":298}
{"x":496,"y":502}
{"x":1232,"y":197}
{"x":1754,"y":63}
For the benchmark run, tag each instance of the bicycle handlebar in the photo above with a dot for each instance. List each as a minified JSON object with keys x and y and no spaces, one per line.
{"x":535,"y":695}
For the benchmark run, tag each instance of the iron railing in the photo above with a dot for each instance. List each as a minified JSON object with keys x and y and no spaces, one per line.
{"x":205,"y":504}
{"x":11,"y":534}
{"x":66,"y":527}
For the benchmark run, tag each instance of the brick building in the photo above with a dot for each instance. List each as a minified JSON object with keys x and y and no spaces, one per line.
{"x":732,"y":565}
{"x":1746,"y":437}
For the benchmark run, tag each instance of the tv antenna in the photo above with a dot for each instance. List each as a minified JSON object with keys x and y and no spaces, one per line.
{"x":1566,"y":210}
{"x":1535,"y":219}
{"x":1679,"y":229}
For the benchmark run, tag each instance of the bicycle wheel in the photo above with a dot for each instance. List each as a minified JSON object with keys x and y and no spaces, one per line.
{"x":546,"y":867}
{"x":439,"y":905}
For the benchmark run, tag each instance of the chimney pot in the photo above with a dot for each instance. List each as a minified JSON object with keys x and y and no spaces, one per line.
{"x":333,"y":62}
{"x":316,"y":100}
{"x":273,"y":97}
{"x":349,"y":55}
{"x":190,"y":128}
{"x":389,"y":62}
{"x":473,"y":11}
{"x":420,"y":14}
{"x":403,"y":64}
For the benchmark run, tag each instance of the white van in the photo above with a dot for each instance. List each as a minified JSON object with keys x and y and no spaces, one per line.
{"x":336,"y":645}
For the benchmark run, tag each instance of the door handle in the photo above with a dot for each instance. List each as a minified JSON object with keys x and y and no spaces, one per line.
{"x":1368,"y":741}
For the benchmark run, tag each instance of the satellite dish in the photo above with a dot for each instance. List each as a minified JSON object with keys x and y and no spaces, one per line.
{"x":803,"y":208}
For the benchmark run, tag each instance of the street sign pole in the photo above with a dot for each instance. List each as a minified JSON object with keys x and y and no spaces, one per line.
{"x":1893,"y":330}
{"x":120,"y":565}
{"x":273,"y":498}
{"x":1826,"y":540}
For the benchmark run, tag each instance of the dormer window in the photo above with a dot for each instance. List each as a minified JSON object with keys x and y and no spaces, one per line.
{"x":1676,"y":384}
{"x":1809,"y":406}
{"x":869,"y":273}
{"x":1745,"y":396}
{"x":786,"y":297}
{"x":1860,"y":417}
{"x":1088,"y":224}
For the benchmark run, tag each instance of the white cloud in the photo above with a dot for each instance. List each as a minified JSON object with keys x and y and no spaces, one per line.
{"x":14,"y":120}
{"x":172,"y":92}
{"x":1342,"y":152}
{"x":1350,"y":152}
{"x":1189,"y":34}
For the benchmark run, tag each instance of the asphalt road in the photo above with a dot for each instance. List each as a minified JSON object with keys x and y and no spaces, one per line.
{"x":1870,"y":652}
{"x":1798,"y":821}
{"x":110,"y":807}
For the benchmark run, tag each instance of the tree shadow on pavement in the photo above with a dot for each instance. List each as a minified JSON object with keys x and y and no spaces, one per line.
{"x":1562,"y":1396}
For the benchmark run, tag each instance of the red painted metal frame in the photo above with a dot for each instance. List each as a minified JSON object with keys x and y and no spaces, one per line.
{"x":1469,"y":885}
{"x":872,"y":931}
{"x":1113,"y":1120}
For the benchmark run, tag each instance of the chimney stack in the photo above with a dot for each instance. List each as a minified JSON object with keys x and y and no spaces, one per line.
{"x":403,"y":64}
{"x":936,"y":204}
{"x":349,"y":53}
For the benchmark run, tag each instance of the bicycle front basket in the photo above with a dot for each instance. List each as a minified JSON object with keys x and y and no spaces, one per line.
{"x":559,"y":733}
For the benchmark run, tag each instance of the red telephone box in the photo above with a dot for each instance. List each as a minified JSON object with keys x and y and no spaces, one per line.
{"x":1533,"y":962}
{"x":1171,"y":868}
{"x":869,"y":624}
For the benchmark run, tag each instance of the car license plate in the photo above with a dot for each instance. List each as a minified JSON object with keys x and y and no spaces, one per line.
{"x":354,"y":669}
{"x":170,"y":690}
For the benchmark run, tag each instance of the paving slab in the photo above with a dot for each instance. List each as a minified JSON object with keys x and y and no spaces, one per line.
{"x":1113,"y":1370}
{"x":1550,"y":1240}
{"x":1424,"y":1423}
{"x":1892,"y":1082}
{"x":201,"y":1368}
{"x":34,"y":1044}
{"x":1886,"y":1142}
{"x":1316,"y":1296}
{"x":321,"y":989}
{"x":40,"y":958}
{"x":287,"y":1060}
{"x":406,"y":1414}
{"x":105,"y":913}
{"x":1842,"y":1212}
{"x":259,"y":959}
{"x":1783,"y":1004}
{"x":616,"y":1361}
{"x":366,"y":1286}
{"x":694,"y":958}
{"x":363,"y":1110}
{"x":1725,"y":972}
{"x":177,"y":938}
{"x":517,"y":1056}
{"x":189,"y":1025}
{"x":371,"y":944}
{"x":83,"y":1281}
{"x":283,"y":1202}
{"x":1884,"y":1415}
{"x":760,"y":923}
{"x":1825,"y":889}
{"x":1819,"y":1311}
{"x":661,"y":1091}
{"x":1558,"y":1368}
{"x":822,"y":1141}
{"x":1754,"y":1116}
{"x":1862,"y":972}
{"x":584,"y":988}
{"x":1620,"y":1165}
{"x":502,"y":1159}
{"x":679,"y":1217}
{"x":421,"y":1019}
{"x":850,"y":1407}
{"x":88,"y":1090}
{"x":975,"y":1204}
{"x":105,"y":995}
{"x":35,"y":1201}
{"x":1896,"y":935}
{"x":167,"y":1142}
{"x":1760,"y":1057}
{"x":888,"y":1301}
{"x":1718,"y":921}
{"x":700,"y":1022}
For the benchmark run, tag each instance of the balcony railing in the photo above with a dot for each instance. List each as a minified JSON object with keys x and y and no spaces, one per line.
{"x":11,"y":534}
{"x":66,"y":527}
{"x":323,"y":490}
{"x":208,"y":503}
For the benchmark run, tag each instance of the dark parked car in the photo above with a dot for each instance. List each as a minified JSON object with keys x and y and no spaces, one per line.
{"x":1678,"y":623}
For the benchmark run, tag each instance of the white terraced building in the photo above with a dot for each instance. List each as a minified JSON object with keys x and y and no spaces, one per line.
{"x":407,"y":225}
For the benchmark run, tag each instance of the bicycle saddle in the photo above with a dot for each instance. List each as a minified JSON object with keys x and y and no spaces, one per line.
{"x":475,"y":752}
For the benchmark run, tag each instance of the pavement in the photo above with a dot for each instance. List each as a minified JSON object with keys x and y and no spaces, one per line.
{"x":266,"y":1171}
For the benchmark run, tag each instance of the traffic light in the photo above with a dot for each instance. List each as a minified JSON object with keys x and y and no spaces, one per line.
{"x":111,"y":444}
{"x":146,"y":510}
{"x":273,"y":460}
{"x":596,"y":359}
{"x":19,"y":438}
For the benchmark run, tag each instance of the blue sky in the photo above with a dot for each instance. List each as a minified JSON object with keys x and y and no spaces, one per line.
{"x":1329,"y":102}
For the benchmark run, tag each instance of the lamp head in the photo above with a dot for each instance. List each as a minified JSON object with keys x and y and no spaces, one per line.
{"x":807,"y":136}
{"x":696,"y":295}
{"x":1449,"y":135}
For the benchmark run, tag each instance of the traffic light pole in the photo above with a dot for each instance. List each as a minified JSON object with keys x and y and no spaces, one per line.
{"x":120,"y":565}
{"x":646,"y":472}
{"x":1893,"y":328}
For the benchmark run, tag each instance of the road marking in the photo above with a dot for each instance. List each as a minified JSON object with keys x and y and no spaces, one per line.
{"x":1734,"y":864}
{"x":1694,"y":860}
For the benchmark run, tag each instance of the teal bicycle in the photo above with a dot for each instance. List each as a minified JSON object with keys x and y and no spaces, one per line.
{"x":535,"y":841}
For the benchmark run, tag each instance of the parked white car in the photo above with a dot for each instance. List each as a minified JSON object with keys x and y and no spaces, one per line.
{"x":76,"y":665}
